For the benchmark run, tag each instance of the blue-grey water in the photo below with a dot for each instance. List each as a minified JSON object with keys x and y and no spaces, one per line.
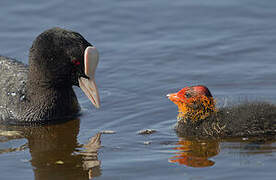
{"x":148,"y":48}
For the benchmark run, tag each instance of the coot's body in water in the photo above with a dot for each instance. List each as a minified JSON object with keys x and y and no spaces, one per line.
{"x":42,"y":92}
{"x":199,"y":117}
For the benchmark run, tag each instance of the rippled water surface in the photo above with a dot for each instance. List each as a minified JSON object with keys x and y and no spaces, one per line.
{"x":148,"y":48}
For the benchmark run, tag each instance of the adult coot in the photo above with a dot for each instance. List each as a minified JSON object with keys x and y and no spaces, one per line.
{"x":199,"y":117}
{"x":42,"y":92}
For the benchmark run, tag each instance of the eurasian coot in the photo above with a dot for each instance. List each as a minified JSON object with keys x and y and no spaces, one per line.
{"x":42,"y":92}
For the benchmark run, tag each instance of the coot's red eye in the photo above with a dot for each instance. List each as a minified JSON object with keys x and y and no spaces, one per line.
{"x":75,"y":62}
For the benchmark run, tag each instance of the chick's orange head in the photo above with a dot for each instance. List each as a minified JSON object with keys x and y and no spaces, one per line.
{"x":196,"y":102}
{"x":190,"y":92}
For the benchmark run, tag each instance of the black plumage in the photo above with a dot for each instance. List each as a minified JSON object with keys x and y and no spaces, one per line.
{"x":42,"y":92}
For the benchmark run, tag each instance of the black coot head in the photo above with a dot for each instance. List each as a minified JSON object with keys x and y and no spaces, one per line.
{"x":62,"y":58}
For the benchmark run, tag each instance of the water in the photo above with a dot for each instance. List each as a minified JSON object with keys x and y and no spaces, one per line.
{"x":148,"y":48}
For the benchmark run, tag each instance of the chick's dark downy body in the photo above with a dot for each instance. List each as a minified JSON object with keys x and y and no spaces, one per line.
{"x":256,"y":119}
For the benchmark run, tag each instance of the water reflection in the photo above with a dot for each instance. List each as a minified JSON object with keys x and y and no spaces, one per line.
{"x":55,"y":151}
{"x":195,"y":153}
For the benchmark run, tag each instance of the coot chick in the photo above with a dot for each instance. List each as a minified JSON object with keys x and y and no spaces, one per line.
{"x":42,"y":92}
{"x":199,"y":117}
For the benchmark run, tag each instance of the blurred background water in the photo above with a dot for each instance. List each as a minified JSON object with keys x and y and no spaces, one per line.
{"x":149,"y":48}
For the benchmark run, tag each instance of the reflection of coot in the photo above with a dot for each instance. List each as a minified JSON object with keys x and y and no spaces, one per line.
{"x":195,"y":153}
{"x":56,"y":153}
{"x":43,"y":91}
{"x":198,"y":116}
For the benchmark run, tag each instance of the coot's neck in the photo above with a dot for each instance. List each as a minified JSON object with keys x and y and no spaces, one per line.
{"x":44,"y":103}
{"x":48,"y":100}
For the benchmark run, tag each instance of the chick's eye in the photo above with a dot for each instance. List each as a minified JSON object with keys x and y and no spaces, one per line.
{"x":188,"y":95}
{"x":75,"y":62}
